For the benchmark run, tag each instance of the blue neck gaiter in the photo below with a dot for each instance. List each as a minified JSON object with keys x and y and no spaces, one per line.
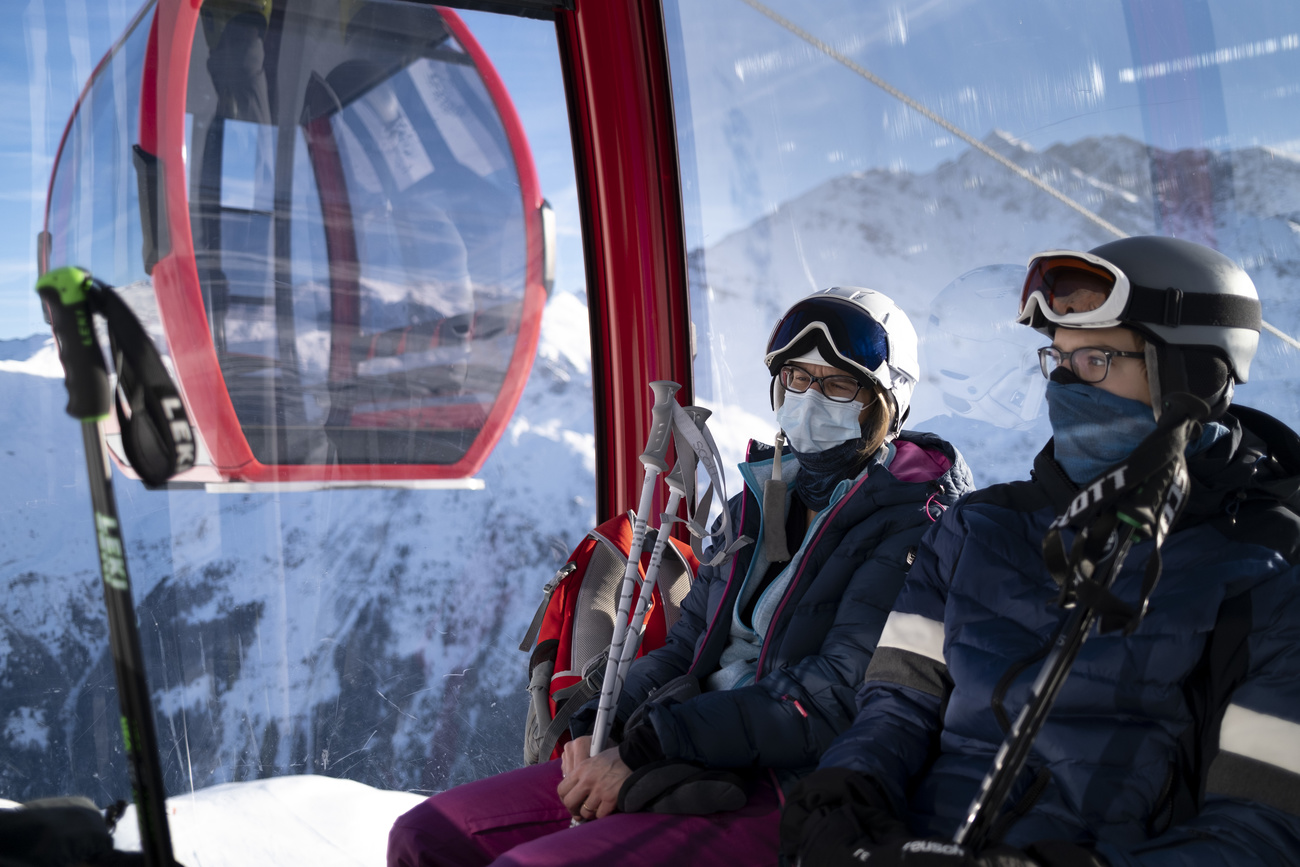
{"x":820,"y":472}
{"x":1093,"y":429}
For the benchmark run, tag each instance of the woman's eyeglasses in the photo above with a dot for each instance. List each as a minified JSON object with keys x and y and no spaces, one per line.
{"x":839,"y":388}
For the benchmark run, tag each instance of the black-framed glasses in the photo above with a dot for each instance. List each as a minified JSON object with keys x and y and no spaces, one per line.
{"x":1089,"y":363}
{"x":836,"y":387}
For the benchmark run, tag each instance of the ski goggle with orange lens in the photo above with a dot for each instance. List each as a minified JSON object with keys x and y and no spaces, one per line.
{"x":1080,"y":290}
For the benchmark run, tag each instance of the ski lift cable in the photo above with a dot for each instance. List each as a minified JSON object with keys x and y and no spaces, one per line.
{"x":960,"y":133}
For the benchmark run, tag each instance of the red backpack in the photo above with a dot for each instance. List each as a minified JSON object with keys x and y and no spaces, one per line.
{"x":574,"y":625}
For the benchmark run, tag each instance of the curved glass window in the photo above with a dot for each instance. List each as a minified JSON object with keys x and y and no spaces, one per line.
{"x":91,"y":212}
{"x":927,"y":150}
{"x":358,"y":204}
{"x":359,"y":230}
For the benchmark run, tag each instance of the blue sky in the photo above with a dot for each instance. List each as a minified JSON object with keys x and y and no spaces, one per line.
{"x":47,"y":53}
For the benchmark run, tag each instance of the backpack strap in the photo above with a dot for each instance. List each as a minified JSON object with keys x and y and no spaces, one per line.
{"x":570,"y":700}
{"x":547,"y":592}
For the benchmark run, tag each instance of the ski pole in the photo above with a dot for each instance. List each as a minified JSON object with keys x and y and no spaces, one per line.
{"x":1146,"y":506}
{"x":654,"y":461}
{"x":1015,"y":748}
{"x":67,"y":295}
{"x":676,"y":482}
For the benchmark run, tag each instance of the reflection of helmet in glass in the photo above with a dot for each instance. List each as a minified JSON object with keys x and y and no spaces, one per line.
{"x":985,"y":365}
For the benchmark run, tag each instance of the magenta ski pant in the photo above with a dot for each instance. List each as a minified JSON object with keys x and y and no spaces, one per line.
{"x":516,"y":819}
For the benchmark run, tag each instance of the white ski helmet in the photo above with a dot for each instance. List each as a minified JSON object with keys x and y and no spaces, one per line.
{"x":986,"y":366}
{"x":1198,"y":309}
{"x":857,"y":330}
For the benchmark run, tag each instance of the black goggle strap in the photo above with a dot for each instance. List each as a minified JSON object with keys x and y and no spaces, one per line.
{"x":1173,"y":307}
{"x":1142,"y":496}
{"x":157,"y":436}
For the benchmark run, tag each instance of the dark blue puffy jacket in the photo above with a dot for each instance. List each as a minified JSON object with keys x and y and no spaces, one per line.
{"x":822,"y":636}
{"x":1177,"y":745}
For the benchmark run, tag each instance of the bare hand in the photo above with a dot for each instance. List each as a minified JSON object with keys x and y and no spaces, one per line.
{"x":575,"y":753}
{"x":590,"y":786}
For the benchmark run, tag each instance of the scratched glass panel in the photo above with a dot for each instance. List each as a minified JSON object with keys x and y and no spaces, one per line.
{"x":928,"y":149}
{"x":366,"y":635}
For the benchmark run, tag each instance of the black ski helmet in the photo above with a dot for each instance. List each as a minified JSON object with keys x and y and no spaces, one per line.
{"x":1198,"y":310}
{"x":858,"y":330}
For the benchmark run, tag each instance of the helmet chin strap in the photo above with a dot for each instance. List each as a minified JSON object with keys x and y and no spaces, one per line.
{"x":1167,"y":375}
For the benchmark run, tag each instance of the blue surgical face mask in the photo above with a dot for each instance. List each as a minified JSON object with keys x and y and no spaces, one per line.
{"x":814,"y":423}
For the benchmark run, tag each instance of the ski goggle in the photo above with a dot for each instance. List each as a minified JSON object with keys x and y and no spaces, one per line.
{"x":1080,"y":290}
{"x":1076,"y":289}
{"x":855,"y":336}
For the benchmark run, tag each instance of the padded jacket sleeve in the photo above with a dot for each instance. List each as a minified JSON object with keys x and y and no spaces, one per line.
{"x":792,"y":714}
{"x":895,"y":733}
{"x":1252,"y":806}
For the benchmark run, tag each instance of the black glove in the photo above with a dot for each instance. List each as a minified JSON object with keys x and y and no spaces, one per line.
{"x":833,"y":811}
{"x":944,"y":853}
{"x":681,"y":788}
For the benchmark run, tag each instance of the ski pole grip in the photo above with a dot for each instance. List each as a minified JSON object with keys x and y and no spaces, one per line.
{"x":661,"y":425}
{"x":698,"y":414}
{"x":64,"y":291}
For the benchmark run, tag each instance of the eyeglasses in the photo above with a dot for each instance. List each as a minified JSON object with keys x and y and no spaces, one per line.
{"x":1089,"y":363}
{"x":837,"y":387}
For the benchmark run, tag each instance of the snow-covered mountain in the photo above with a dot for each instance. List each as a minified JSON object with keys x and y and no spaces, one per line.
{"x":372,"y":635}
{"x":910,"y":235}
{"x":362,"y":634}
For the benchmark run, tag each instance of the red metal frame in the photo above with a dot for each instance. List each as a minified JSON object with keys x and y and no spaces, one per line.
{"x":620,"y":103}
{"x":180,"y":300}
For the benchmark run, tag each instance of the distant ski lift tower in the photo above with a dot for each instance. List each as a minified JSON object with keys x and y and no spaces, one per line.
{"x":332,"y":227}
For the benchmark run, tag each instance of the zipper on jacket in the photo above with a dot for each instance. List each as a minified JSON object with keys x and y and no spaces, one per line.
{"x":794,"y":582}
{"x":726,"y":591}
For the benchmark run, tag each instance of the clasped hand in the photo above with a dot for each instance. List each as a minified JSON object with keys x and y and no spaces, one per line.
{"x":591,"y":784}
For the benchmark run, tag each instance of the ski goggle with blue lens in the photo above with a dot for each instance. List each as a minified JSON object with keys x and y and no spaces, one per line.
{"x":856,"y":338}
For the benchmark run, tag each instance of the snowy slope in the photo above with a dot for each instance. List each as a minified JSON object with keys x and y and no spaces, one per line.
{"x":367,"y":634}
{"x":306,"y":819}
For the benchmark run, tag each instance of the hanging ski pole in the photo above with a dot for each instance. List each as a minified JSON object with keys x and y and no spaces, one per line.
{"x":654,"y":461}
{"x":677,"y":486}
{"x":1149,"y":491}
{"x":69,"y":294}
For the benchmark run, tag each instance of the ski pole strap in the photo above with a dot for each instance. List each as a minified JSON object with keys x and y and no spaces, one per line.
{"x":156,"y":432}
{"x":1143,"y":497}
{"x":695,"y":445}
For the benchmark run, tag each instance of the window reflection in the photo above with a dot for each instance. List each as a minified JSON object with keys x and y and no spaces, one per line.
{"x":358,"y":227}
{"x":900,"y":147}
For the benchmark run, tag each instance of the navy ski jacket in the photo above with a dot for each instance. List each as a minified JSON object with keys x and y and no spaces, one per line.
{"x":821,"y":638}
{"x":1176,"y":745}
